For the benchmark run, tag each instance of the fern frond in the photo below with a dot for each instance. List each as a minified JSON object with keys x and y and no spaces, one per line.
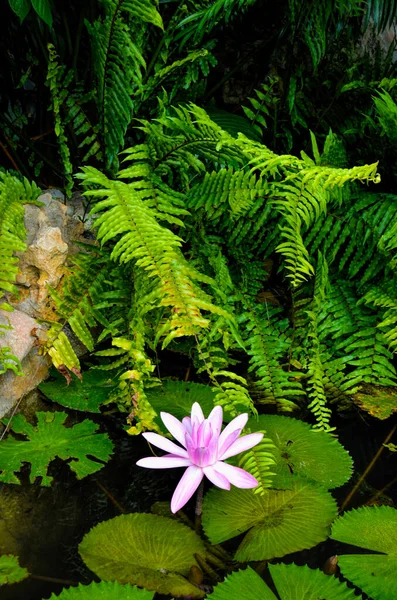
{"x":14,"y":193}
{"x":119,"y":64}
{"x":199,"y":24}
{"x":258,"y":461}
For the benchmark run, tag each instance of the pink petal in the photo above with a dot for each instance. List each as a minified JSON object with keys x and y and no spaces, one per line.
{"x":185,"y":489}
{"x":187,"y":424}
{"x":161,"y":442}
{"x":175,"y":427}
{"x":216,"y":478}
{"x":236,"y":476}
{"x":163,"y":462}
{"x":233,"y":430}
{"x":244,"y":443}
{"x":197,"y":412}
{"x":215,"y":418}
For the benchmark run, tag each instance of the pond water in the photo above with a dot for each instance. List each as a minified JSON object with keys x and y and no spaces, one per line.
{"x":43,"y":526}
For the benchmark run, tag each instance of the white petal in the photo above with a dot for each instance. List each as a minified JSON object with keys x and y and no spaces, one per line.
{"x":244,"y":443}
{"x":163,"y":462}
{"x":185,"y":489}
{"x":174,"y":426}
{"x":234,"y":426}
{"x":236,"y":476}
{"x":216,"y":478}
{"x":197,"y":412}
{"x":162,"y":442}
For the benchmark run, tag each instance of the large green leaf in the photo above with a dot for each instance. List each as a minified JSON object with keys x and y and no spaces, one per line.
{"x":21,"y":8}
{"x":279,"y":522}
{"x":301,"y":583}
{"x":177,"y":398}
{"x":86,"y":395}
{"x":50,"y":439}
{"x":380,"y":403}
{"x":103,"y":591}
{"x":147,"y":550}
{"x":10,"y":571}
{"x":43,"y":9}
{"x":373,"y":528}
{"x":304,"y":452}
{"x":242,"y":585}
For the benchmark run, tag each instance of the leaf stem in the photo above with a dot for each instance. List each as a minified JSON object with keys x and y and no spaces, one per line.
{"x":199,"y":507}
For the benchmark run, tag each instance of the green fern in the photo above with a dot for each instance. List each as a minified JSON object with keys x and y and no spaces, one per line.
{"x":258,"y":461}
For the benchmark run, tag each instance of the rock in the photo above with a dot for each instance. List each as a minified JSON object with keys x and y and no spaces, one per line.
{"x":50,"y":236}
{"x":21,"y":342}
{"x":51,"y":232}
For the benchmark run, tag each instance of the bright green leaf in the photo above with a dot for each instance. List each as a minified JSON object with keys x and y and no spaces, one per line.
{"x":373,"y":528}
{"x":103,"y":591}
{"x":10,"y":571}
{"x":304,"y":452}
{"x":242,"y":585}
{"x":147,"y":550}
{"x":50,"y":439}
{"x":278,"y":523}
{"x":21,"y":8}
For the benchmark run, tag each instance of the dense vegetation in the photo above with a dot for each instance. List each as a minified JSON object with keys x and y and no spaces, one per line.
{"x":239,"y":161}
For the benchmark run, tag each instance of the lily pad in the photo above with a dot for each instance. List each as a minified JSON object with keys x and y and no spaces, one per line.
{"x":10,"y":571}
{"x":291,"y":582}
{"x":373,"y":528}
{"x":279,"y":522}
{"x":302,"y":452}
{"x":86,"y":395}
{"x":302,"y":583}
{"x":147,"y":550}
{"x":103,"y":591}
{"x":379,"y":402}
{"x":48,"y":440}
{"x":178,"y":397}
{"x":242,"y":585}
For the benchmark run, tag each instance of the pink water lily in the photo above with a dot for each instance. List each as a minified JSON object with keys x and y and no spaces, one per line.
{"x":204,"y":450}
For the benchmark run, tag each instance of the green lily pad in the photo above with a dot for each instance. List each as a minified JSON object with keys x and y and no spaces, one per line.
{"x":48,"y":440}
{"x":302,"y":452}
{"x":10,"y":571}
{"x":147,"y":550}
{"x":86,"y":395}
{"x":278,"y":523}
{"x":291,"y":582}
{"x":242,"y":585}
{"x":379,"y":402}
{"x":178,"y":397}
{"x":373,"y":528}
{"x":103,"y":591}
{"x":302,"y":583}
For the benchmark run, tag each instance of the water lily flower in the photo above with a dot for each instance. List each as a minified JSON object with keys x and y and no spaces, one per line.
{"x":204,"y":450}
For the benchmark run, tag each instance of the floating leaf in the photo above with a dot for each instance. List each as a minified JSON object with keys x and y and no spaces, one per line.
{"x":10,"y":571}
{"x":147,"y":550}
{"x":301,"y":583}
{"x":242,"y":585}
{"x":304,"y":452}
{"x":279,"y":522}
{"x":373,"y":528}
{"x":103,"y":591}
{"x":50,"y":439}
{"x":379,"y":402}
{"x":178,"y":397}
{"x":86,"y":395}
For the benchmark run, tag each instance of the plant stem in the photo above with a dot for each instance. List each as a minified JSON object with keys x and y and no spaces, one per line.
{"x":367,"y":470}
{"x":199,"y":507}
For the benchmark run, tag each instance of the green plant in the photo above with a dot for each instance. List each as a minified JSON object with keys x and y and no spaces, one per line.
{"x":10,"y":571}
{"x":50,"y":439}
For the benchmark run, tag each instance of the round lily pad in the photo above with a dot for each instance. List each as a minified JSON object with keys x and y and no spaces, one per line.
{"x":10,"y":571}
{"x":278,"y":523}
{"x":300,"y":451}
{"x":147,"y":550}
{"x":373,"y":528}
